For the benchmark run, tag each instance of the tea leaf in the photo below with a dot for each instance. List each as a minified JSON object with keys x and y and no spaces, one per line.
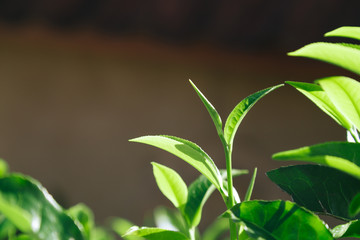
{"x":337,"y":54}
{"x":83,"y":217}
{"x":238,"y":113}
{"x":155,"y":234}
{"x":278,"y":220}
{"x":318,"y":188}
{"x":199,"y":192}
{"x":170,"y":184}
{"x":344,"y":94}
{"x":318,"y":96}
{"x":211,"y":109}
{"x":189,"y":152}
{"x":346,"y":31}
{"x":216,"y":229}
{"x":251,"y":186}
{"x":350,"y":229}
{"x":122,"y":226}
{"x":41,"y":215}
{"x":343,"y":156}
{"x":170,"y":219}
{"x":354,"y":208}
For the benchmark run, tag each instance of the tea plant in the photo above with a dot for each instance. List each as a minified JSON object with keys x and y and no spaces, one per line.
{"x":331,"y":187}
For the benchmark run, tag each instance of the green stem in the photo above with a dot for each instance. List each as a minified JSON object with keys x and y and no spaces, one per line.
{"x":192,"y":233}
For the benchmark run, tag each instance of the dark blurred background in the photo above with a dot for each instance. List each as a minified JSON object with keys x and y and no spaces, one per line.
{"x":81,"y":77}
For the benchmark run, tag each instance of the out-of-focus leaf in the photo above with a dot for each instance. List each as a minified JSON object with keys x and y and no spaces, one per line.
{"x":238,"y":113}
{"x":6,"y":227}
{"x":354,"y":208}
{"x":83,"y":217}
{"x":189,"y":152}
{"x":318,"y":96}
{"x":346,"y":31}
{"x":4,"y":168}
{"x":169,"y":219}
{"x":350,"y":229}
{"x":278,"y":220}
{"x":318,"y":188}
{"x":216,"y":229}
{"x":344,"y":94}
{"x":337,"y":54}
{"x":170,"y":184}
{"x":41,"y":215}
{"x":98,"y":233}
{"x":212,"y":111}
{"x":155,"y":234}
{"x":343,"y":156}
{"x":121,"y":226}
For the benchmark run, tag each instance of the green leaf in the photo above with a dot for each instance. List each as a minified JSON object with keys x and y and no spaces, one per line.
{"x":350,"y":229}
{"x":169,"y":219}
{"x":238,"y":113}
{"x":170,"y":184}
{"x":216,"y":229}
{"x":344,"y":94}
{"x":189,"y":152}
{"x":99,"y":233}
{"x":121,"y":226}
{"x":251,"y":186}
{"x":6,"y":227}
{"x":318,"y":96}
{"x":318,"y":188}
{"x":199,"y":192}
{"x":83,"y":217}
{"x":4,"y":168}
{"x":354,"y":208}
{"x":211,"y":109}
{"x":346,"y":31}
{"x":343,"y":156}
{"x":337,"y":54}
{"x":155,"y":234}
{"x":33,"y":210}
{"x":278,"y":220}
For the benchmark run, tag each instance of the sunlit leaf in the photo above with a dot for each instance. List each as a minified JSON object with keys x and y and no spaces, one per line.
{"x":199,"y":192}
{"x":169,"y":219}
{"x":170,"y":184}
{"x":41,"y":215}
{"x":187,"y":151}
{"x":211,"y":109}
{"x":121,"y":226}
{"x":344,"y":94}
{"x":343,"y":156}
{"x":318,"y":188}
{"x":3,"y":168}
{"x":278,"y":220}
{"x":318,"y":96}
{"x":346,"y":31}
{"x":350,"y":229}
{"x":337,"y":54}
{"x":238,"y":113}
{"x":155,"y":234}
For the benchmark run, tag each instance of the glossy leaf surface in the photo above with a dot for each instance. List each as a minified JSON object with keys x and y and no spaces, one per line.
{"x":346,"y":31}
{"x":278,"y":220}
{"x":344,"y":94}
{"x":211,"y":109}
{"x":337,"y":54}
{"x":318,"y":96}
{"x":238,"y":113}
{"x":170,"y":184}
{"x":155,"y":234}
{"x":187,"y":151}
{"x":350,"y":229}
{"x":169,"y":219}
{"x":121,"y":226}
{"x":47,"y":218}
{"x":343,"y":156}
{"x":318,"y":188}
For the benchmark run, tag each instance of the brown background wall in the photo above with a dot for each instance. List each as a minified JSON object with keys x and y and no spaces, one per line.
{"x":70,"y":99}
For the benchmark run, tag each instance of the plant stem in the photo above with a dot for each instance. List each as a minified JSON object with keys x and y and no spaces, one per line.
{"x":192,"y":233}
